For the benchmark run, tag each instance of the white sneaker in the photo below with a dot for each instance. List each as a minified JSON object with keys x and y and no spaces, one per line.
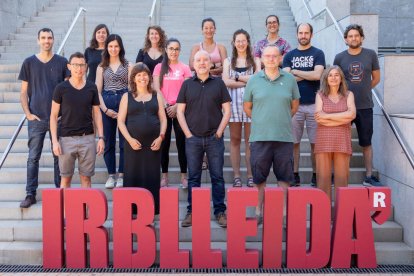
{"x":110,"y":183}
{"x":120,"y":182}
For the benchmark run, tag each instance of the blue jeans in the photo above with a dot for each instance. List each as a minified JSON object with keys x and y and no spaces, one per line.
{"x":195,"y":147}
{"x":110,"y":126}
{"x":37,"y":132}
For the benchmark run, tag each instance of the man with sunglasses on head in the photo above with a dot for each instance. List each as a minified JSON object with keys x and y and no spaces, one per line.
{"x":272,"y":38}
{"x":77,"y":101}
{"x":39,"y":74}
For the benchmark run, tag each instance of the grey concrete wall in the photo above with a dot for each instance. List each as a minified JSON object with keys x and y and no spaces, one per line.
{"x":13,"y":13}
{"x":389,"y":159}
{"x":396,"y":20}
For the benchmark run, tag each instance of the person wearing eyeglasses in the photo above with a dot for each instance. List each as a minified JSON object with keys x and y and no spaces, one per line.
{"x":271,"y":98}
{"x":272,"y":38}
{"x":168,"y":78}
{"x":40,"y":74}
{"x":77,"y":100}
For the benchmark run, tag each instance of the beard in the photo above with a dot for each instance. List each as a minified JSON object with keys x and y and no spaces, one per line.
{"x":304,"y":42}
{"x":355,"y":46}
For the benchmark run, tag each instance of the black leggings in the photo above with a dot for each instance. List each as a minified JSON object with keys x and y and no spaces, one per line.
{"x":180,"y":141}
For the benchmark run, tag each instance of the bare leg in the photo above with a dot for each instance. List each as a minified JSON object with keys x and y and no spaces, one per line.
{"x":247,"y":149}
{"x":65,"y":181}
{"x":323,"y":172}
{"x":367,"y":153}
{"x":259,"y":207}
{"x":85,"y":181}
{"x":235,"y":140}
{"x":296,"y":156}
{"x":284,"y":185}
{"x":313,"y":158}
{"x":341,"y":169}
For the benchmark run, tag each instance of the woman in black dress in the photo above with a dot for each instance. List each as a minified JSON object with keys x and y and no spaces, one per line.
{"x":142,"y":121}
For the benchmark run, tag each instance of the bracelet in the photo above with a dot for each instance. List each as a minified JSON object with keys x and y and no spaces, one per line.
{"x":106,"y":110}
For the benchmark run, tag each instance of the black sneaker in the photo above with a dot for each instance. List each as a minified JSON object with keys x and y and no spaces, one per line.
{"x":296,"y":181}
{"x":313,"y":181}
{"x":188,"y":221}
{"x":28,"y":201}
{"x":371,"y":181}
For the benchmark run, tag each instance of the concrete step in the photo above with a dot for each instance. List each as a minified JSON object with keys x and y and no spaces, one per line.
{"x":23,"y":253}
{"x":20,"y":145}
{"x":18,"y":160}
{"x":10,"y":97}
{"x":18,"y":175}
{"x":31,"y":231}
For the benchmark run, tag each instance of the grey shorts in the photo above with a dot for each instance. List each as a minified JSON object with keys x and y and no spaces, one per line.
{"x":264,"y":154}
{"x":82,"y":148}
{"x":305,"y":113}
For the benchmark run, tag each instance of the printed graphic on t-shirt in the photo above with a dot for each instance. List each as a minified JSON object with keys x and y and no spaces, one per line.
{"x":356,"y":71}
{"x":302,"y":62}
{"x":173,"y":75}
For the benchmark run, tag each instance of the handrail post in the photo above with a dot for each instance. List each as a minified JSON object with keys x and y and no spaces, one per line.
{"x":81,"y":9}
{"x":84,"y":30}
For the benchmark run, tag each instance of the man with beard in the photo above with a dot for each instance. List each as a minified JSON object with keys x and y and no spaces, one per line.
{"x":306,"y":63}
{"x":362,"y":72}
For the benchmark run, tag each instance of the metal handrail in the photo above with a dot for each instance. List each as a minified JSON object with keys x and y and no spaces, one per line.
{"x":60,"y":49}
{"x":374,"y":93}
{"x":23,"y":119}
{"x":154,"y":13}
{"x":394,"y":129}
{"x":328,"y":11}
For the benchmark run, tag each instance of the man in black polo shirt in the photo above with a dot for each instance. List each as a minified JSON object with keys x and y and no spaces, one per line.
{"x":203,"y":113}
{"x":77,"y":99}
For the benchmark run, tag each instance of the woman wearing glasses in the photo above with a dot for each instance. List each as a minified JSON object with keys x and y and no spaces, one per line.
{"x":272,"y":38}
{"x":168,"y":78}
{"x":236,"y":72}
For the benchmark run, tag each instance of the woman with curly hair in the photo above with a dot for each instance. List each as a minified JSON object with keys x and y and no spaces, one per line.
{"x":153,"y":50}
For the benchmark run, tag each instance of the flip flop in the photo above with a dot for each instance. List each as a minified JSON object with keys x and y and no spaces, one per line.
{"x":237,"y":182}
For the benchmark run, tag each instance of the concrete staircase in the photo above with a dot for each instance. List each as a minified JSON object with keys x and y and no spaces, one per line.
{"x":21,"y":229}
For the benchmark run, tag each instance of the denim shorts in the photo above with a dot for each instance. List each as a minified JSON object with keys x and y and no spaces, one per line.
{"x":82,"y":148}
{"x":265,"y":153}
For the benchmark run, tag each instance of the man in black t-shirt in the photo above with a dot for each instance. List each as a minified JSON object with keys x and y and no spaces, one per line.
{"x":78,"y":102}
{"x":306,"y":63}
{"x":39,"y":74}
{"x":203,"y":113}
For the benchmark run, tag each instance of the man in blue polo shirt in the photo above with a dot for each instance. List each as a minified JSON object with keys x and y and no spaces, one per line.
{"x":271,"y":98}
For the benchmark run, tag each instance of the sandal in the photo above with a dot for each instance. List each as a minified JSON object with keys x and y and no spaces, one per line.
{"x":164,"y":182}
{"x":237,"y":182}
{"x":184,"y":183}
{"x":250,"y":182}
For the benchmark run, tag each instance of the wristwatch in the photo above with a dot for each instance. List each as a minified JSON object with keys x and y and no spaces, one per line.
{"x":102,"y":137}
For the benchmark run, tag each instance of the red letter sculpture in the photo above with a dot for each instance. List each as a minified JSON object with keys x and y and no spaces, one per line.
{"x":272,"y":228}
{"x":170,"y":254}
{"x":352,"y":233}
{"x":86,"y":211}
{"x":239,"y":227}
{"x":202,"y":255}
{"x":124,"y":228}
{"x":320,"y":226}
{"x":52,"y":212}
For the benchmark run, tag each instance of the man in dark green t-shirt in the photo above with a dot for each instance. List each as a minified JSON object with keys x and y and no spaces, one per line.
{"x":271,"y":99}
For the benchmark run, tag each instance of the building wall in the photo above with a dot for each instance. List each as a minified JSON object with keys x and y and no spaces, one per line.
{"x":14,"y":12}
{"x":396,"y":20}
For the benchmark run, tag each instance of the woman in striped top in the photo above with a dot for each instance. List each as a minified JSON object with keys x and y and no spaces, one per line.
{"x":237,"y":71}
{"x":112,"y":83}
